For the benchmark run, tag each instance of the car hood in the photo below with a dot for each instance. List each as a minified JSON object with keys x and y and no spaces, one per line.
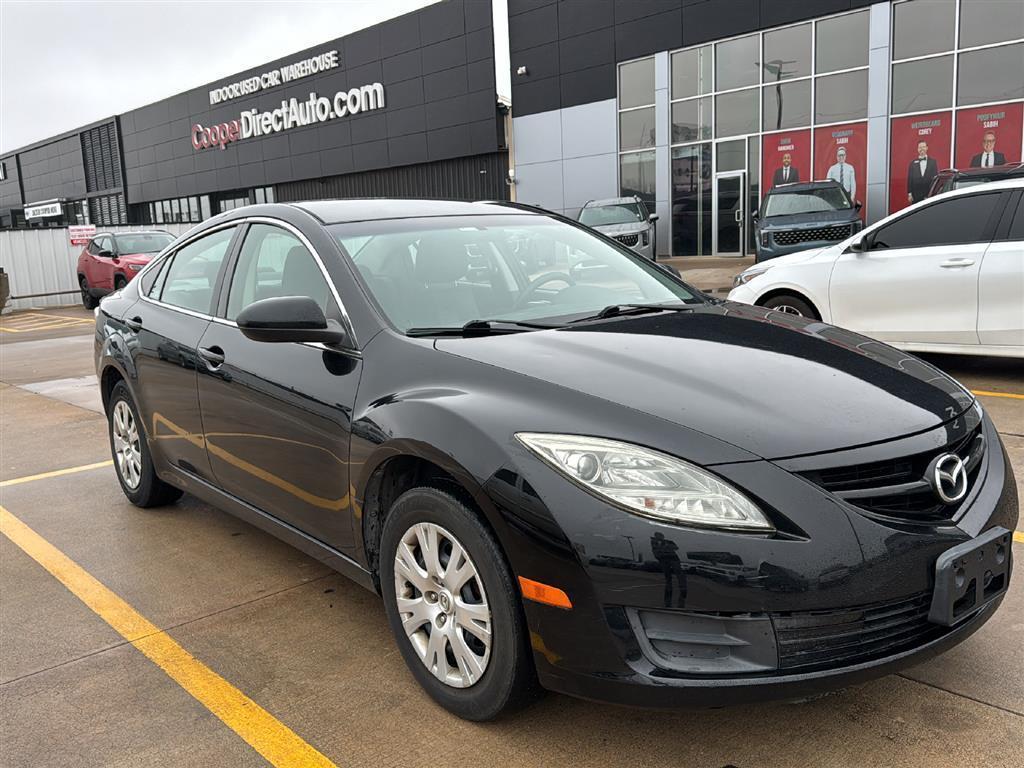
{"x":621,"y":229}
{"x":773,"y":384}
{"x":797,"y":220}
{"x":136,"y":258}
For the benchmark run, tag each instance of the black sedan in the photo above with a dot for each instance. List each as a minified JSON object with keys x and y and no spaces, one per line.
{"x":584,"y":475}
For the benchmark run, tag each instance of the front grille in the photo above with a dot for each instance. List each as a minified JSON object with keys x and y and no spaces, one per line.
{"x":853,"y":635}
{"x":897,"y":488}
{"x":629,"y":240}
{"x":820,"y":234}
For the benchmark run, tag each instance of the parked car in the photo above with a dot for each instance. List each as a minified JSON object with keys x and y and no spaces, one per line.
{"x":619,"y":488}
{"x":626,"y":219}
{"x":943,"y":275}
{"x":799,"y":216}
{"x":110,"y":260}
{"x":951,"y":178}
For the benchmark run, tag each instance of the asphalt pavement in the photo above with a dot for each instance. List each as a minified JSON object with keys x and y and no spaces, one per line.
{"x":182,"y":636}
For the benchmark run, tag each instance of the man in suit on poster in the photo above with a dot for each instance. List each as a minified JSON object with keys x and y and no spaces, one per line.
{"x":787,"y":174}
{"x":988,"y":155}
{"x":921,"y":174}
{"x":842,"y":172}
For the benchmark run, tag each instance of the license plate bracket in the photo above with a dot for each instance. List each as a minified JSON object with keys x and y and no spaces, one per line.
{"x":970,"y":575}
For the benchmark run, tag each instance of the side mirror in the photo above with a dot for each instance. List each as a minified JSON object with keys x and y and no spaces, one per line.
{"x":861,"y":244}
{"x":105,"y":254}
{"x":858,"y":205}
{"x":653,"y":217}
{"x":288,"y":318}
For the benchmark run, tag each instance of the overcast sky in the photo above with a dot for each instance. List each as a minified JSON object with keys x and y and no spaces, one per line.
{"x":65,"y":64}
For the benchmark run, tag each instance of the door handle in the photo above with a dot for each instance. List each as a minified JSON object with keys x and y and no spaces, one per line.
{"x":212,"y":356}
{"x":953,"y":263}
{"x":134,"y":324}
{"x":738,"y":215}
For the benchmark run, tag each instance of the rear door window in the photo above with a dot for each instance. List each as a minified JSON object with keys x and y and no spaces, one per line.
{"x":948,"y":222}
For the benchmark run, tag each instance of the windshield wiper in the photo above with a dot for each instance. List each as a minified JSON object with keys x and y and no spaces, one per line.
{"x":614,"y":310}
{"x":481,"y":328}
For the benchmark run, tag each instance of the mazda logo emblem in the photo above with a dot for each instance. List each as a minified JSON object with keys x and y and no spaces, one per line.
{"x":947,"y":476}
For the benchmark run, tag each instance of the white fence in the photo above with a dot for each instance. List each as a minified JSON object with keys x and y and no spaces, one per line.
{"x":44,"y":261}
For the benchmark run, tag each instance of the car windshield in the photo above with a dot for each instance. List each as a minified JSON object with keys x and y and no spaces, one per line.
{"x":143,"y":242}
{"x":444,"y":272}
{"x":806,"y":201}
{"x":620,"y":213}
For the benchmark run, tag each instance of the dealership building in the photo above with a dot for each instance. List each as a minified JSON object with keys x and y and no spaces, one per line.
{"x":697,"y":106}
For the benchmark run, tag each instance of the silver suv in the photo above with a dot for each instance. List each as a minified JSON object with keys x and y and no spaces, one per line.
{"x":624,"y":218}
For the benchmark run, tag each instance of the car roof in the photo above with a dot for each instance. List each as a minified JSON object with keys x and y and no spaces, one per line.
{"x":133,"y":232}
{"x":369,"y":209}
{"x":610,"y":201}
{"x":800,"y":186}
{"x":1010,"y":170}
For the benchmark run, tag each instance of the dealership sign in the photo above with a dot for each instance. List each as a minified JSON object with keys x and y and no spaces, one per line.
{"x":42,"y":210}
{"x":275,"y":77}
{"x":80,"y":234}
{"x":291,"y":114}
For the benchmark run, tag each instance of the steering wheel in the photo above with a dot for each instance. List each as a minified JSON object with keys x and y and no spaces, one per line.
{"x":537,"y":282}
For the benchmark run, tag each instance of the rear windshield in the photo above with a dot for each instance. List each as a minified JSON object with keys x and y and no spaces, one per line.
{"x":806,"y":201}
{"x":142,"y":242}
{"x":602,"y":215}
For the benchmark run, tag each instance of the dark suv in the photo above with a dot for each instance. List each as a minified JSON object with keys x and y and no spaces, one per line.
{"x":796,"y":217}
{"x":951,"y":178}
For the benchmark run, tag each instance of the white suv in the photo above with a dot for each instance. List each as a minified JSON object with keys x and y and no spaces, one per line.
{"x":944,"y":275}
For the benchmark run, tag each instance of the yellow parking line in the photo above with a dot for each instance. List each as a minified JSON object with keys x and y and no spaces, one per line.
{"x":275,"y":741}
{"x":1018,"y":536}
{"x":984,"y":393}
{"x":10,"y":330}
{"x":56,"y":473}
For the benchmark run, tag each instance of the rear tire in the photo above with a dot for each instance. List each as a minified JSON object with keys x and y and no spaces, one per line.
{"x":449,"y":670}
{"x":119,"y":283}
{"x":88,"y":300}
{"x":792,"y":304}
{"x":132,"y":460}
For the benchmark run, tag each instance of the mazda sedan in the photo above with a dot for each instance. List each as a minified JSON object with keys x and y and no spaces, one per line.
{"x":588,"y":477}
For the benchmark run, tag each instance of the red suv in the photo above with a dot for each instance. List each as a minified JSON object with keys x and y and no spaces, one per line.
{"x":110,"y":260}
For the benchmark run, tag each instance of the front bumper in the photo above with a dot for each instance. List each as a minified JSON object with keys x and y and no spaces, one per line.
{"x":660,"y":631}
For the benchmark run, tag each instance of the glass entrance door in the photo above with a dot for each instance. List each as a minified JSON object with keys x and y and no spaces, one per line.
{"x":730,"y":213}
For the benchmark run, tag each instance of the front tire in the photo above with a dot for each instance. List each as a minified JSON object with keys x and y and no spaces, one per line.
{"x":792,"y":304}
{"x":453,"y":607}
{"x":133,"y":462}
{"x":88,"y":300}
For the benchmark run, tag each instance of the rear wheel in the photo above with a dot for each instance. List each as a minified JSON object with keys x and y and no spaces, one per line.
{"x":119,"y":282}
{"x":88,"y":300}
{"x":132,"y":460}
{"x":452,"y":606}
{"x":791,"y":304}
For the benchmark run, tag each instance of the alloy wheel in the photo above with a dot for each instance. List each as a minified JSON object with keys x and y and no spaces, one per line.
{"x":442,"y":605}
{"x":126,"y":444}
{"x":789,"y":310}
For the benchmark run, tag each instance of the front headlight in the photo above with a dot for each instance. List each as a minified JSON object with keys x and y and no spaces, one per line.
{"x":135,"y":267}
{"x":647,"y":482}
{"x":745,"y":277}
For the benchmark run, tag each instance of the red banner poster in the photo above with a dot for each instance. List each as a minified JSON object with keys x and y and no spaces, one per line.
{"x":919,"y":148}
{"x":841,"y":154}
{"x":785,"y":158}
{"x":988,"y":136}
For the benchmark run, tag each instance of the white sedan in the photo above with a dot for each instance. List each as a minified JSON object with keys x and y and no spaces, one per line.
{"x":943,"y":275}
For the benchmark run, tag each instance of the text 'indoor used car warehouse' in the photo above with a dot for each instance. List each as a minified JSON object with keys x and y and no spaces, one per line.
{"x":518,"y":383}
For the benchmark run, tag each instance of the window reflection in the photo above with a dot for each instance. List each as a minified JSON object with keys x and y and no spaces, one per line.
{"x":736,"y":63}
{"x":636,"y":129}
{"x":691,"y":120}
{"x":636,"y":84}
{"x":921,"y":27}
{"x":918,"y":86}
{"x":991,"y":21}
{"x":691,"y":72}
{"x":842,"y":42}
{"x":787,"y":53}
{"x":736,"y":113}
{"x":991,"y":74}
{"x":636,"y":175}
{"x":787,"y":105}
{"x":843,"y":97}
{"x":691,"y":200}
